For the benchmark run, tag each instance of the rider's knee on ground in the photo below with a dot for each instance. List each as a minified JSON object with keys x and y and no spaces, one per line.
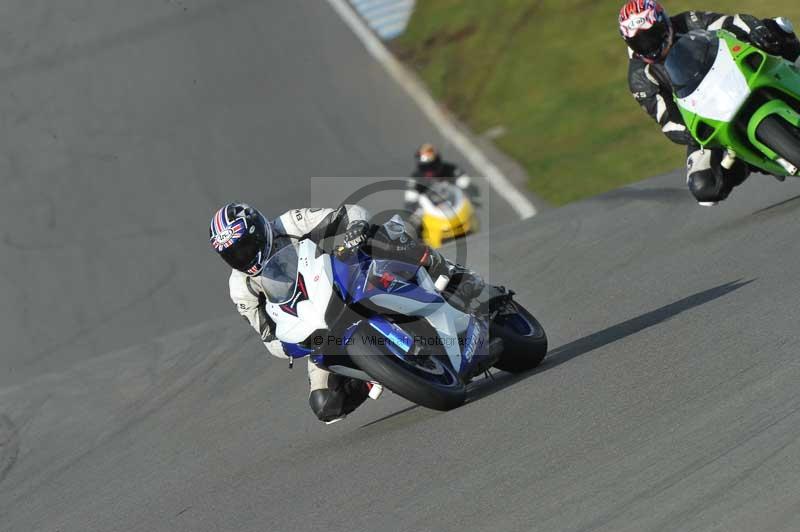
{"x":333,"y":396}
{"x":708,"y":181}
{"x":327,"y":405}
{"x":699,"y":176}
{"x":707,"y":187}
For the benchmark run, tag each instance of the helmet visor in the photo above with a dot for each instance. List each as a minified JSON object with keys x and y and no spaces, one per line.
{"x":246,"y":253}
{"x":650,"y":43}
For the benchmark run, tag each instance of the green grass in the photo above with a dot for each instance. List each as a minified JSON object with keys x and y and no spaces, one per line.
{"x":553,"y":73}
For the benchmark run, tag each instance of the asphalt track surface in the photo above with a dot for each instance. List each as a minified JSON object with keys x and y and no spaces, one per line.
{"x":132,"y":399}
{"x":125,"y":127}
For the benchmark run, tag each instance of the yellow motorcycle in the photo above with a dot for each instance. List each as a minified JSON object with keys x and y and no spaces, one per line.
{"x":445,"y":212}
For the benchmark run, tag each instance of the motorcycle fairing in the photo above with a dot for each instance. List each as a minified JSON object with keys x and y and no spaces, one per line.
{"x":296,"y":319}
{"x":767,"y":77}
{"x":723,"y":90}
{"x":398,"y":287}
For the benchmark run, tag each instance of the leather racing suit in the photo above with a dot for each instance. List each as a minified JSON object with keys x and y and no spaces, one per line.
{"x":331,"y":396}
{"x":451,"y":173}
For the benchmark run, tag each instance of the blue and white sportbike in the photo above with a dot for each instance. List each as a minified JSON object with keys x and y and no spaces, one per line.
{"x":385,"y":321}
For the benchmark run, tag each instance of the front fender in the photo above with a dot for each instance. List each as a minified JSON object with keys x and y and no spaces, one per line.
{"x":389,"y":335}
{"x":463,"y":337}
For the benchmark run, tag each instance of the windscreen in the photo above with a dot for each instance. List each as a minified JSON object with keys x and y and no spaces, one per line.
{"x":444,"y":194}
{"x":690,"y":59}
{"x":279,"y":276}
{"x":400,"y":270}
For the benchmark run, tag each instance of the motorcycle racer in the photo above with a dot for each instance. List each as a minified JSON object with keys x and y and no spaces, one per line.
{"x":649,"y":33}
{"x":431,"y":167}
{"x":245,"y":239}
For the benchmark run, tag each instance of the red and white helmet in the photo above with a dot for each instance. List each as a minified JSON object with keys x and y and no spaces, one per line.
{"x":646,"y":28}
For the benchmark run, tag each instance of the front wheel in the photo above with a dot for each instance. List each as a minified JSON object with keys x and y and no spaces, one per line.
{"x":427,"y":380}
{"x":524,"y":339}
{"x":781,"y":136}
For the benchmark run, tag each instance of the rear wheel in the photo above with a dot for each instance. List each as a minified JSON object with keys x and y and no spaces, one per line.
{"x":782,"y":137}
{"x":426,"y":380}
{"x":524,"y":339}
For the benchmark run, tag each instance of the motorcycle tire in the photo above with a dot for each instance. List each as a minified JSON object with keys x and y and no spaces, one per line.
{"x":524,"y":340}
{"x":403,"y":378}
{"x":782,"y":137}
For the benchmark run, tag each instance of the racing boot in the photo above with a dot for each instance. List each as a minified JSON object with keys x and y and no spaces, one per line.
{"x":459,"y":285}
{"x":341,"y":396}
{"x":374,"y":391}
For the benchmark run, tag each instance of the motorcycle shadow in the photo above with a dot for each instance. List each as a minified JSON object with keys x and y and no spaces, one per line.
{"x":563,"y":354}
{"x":499,"y":381}
{"x":783,"y":206}
{"x":391,"y":416}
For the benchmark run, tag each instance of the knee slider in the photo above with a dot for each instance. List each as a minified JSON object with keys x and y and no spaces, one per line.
{"x":326,"y":404}
{"x":705,"y":186}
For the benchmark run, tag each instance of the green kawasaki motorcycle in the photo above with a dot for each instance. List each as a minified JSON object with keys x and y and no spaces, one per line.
{"x":735,"y":96}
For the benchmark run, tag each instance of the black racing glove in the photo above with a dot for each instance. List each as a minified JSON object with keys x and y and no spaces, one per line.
{"x":356,"y":234}
{"x":402,"y":246}
{"x":765,"y":38}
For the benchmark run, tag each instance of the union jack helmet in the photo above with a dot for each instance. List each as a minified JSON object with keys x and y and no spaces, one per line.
{"x":646,"y":28}
{"x":242,"y":236}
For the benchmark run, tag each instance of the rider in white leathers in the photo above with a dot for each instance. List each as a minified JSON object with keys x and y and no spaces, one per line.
{"x":246,"y":291}
{"x":245,"y":239}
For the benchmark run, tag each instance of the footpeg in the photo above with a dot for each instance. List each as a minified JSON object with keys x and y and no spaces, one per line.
{"x":729,"y":159}
{"x":789,"y":167}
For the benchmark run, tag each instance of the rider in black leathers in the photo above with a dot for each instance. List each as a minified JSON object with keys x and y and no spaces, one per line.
{"x":650,"y":33}
{"x":430,"y":167}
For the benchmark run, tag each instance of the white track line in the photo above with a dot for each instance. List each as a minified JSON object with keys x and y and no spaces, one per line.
{"x":419,"y":94}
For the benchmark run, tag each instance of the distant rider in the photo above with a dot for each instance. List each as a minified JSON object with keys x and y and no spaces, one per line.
{"x":245,"y":239}
{"x":650,"y":33}
{"x":430,"y":168}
